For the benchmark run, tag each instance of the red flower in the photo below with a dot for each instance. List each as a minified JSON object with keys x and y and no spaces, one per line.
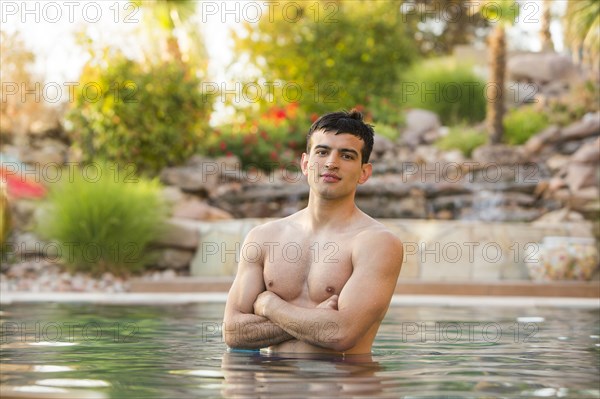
{"x":274,"y":155}
{"x":223,"y":145}
{"x":313,"y":117}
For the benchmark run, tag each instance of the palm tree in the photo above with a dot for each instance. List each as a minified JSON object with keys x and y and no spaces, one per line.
{"x":500,"y":13}
{"x":582,"y":31}
{"x":545,"y":35}
{"x":170,"y":16}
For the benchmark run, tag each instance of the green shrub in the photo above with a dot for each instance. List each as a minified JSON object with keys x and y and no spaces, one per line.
{"x":387,"y":131}
{"x":103,"y":217}
{"x":153,"y":114}
{"x":522,"y":123}
{"x":451,"y":90}
{"x":462,"y":138}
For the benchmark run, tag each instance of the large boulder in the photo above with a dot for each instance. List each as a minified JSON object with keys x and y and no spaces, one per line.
{"x":498,"y":154}
{"x":419,"y":124}
{"x":541,"y":67}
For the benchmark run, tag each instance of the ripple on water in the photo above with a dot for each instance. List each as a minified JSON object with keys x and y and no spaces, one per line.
{"x":44,"y":392}
{"x":73,"y":383}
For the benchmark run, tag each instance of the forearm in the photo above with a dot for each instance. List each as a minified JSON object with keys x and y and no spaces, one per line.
{"x":249,"y":331}
{"x":319,"y":327}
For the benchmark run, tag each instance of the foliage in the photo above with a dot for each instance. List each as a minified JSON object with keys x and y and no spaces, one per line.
{"x":461,"y":138}
{"x":445,"y":87}
{"x":18,"y":77}
{"x":103,"y":218}
{"x":325,"y":55}
{"x":383,"y":111}
{"x":582,"y":29}
{"x":177,"y":37}
{"x":522,"y":123}
{"x":152,"y":115}
{"x":387,"y":131}
{"x":5,"y":218}
{"x":275,"y":139}
{"x":582,"y":98}
{"x":438,"y":26}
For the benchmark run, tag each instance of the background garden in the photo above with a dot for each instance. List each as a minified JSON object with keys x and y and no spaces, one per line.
{"x":90,"y":182}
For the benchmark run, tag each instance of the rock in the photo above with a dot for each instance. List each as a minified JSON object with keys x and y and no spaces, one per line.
{"x":558,"y":216}
{"x":558,"y":162}
{"x":588,"y":153}
{"x":381,"y":146}
{"x":539,"y":140}
{"x":540,"y":67}
{"x":499,"y":154}
{"x":524,"y":92}
{"x":189,"y":179}
{"x":193,"y":208}
{"x":588,"y":126}
{"x":583,"y":170}
{"x":174,"y":259}
{"x":419,"y":122}
{"x":180,"y":235}
{"x":45,"y":156}
{"x":453,"y":156}
{"x":426,"y":154}
{"x":556,"y":183}
{"x":581,"y":199}
{"x":173,"y":194}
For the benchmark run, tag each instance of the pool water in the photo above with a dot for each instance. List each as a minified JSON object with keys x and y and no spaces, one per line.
{"x":176,"y":351}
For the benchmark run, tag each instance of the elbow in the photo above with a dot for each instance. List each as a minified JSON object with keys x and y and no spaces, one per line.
{"x":230,"y":339}
{"x":344,"y":343}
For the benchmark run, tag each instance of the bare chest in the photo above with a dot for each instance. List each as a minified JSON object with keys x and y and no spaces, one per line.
{"x":306,"y":272}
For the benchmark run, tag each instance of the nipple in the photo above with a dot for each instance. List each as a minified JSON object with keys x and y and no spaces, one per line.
{"x":330,"y":290}
{"x":270,"y":283}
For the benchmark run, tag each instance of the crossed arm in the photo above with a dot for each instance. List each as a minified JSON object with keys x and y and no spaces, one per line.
{"x":256,"y":318}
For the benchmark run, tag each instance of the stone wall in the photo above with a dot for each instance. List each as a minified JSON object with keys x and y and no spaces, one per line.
{"x":434,"y":250}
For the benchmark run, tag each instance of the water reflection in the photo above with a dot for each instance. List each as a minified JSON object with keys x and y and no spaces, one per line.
{"x":252,"y":374}
{"x":178,"y":352}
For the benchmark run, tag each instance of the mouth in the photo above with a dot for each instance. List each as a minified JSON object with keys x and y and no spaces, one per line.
{"x":330,"y":177}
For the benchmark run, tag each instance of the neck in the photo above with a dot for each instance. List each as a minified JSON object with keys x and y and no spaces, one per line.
{"x":324,"y":213}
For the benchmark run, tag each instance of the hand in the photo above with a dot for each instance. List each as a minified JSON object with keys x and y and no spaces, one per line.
{"x":262,"y":301}
{"x":329,"y":303}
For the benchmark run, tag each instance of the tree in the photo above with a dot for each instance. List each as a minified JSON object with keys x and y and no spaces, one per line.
{"x":325,"y":54}
{"x":18,"y":76}
{"x":500,"y":13}
{"x":545,"y":34}
{"x":437,"y":26}
{"x":177,"y":37}
{"x":582,"y":31}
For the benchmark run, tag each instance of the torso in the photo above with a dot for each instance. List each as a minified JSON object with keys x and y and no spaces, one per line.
{"x":305,"y":269}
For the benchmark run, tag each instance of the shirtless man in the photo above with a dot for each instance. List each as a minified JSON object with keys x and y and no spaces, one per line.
{"x":323,"y":278}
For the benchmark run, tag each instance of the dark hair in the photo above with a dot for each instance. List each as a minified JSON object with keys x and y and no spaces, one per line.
{"x":345,"y":122}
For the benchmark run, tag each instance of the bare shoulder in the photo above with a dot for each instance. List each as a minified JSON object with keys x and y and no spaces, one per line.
{"x":376,"y":239}
{"x":273,"y":228}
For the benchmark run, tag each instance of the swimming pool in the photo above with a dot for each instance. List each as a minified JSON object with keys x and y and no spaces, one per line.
{"x":176,"y":351}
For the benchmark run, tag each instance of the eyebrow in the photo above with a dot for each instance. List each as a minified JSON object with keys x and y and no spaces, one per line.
{"x":346,"y":150}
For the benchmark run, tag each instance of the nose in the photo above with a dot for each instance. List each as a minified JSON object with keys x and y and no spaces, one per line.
{"x":331,"y":162}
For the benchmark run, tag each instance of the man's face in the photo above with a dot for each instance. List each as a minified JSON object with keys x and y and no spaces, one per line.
{"x":333,"y":166}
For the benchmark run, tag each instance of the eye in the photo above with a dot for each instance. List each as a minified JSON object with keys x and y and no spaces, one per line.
{"x":348,"y":156}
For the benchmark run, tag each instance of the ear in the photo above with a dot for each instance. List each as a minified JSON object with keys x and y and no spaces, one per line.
{"x":367,"y":171}
{"x":304,"y":164}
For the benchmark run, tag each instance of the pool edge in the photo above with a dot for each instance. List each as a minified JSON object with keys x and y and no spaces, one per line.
{"x":219,"y":297}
